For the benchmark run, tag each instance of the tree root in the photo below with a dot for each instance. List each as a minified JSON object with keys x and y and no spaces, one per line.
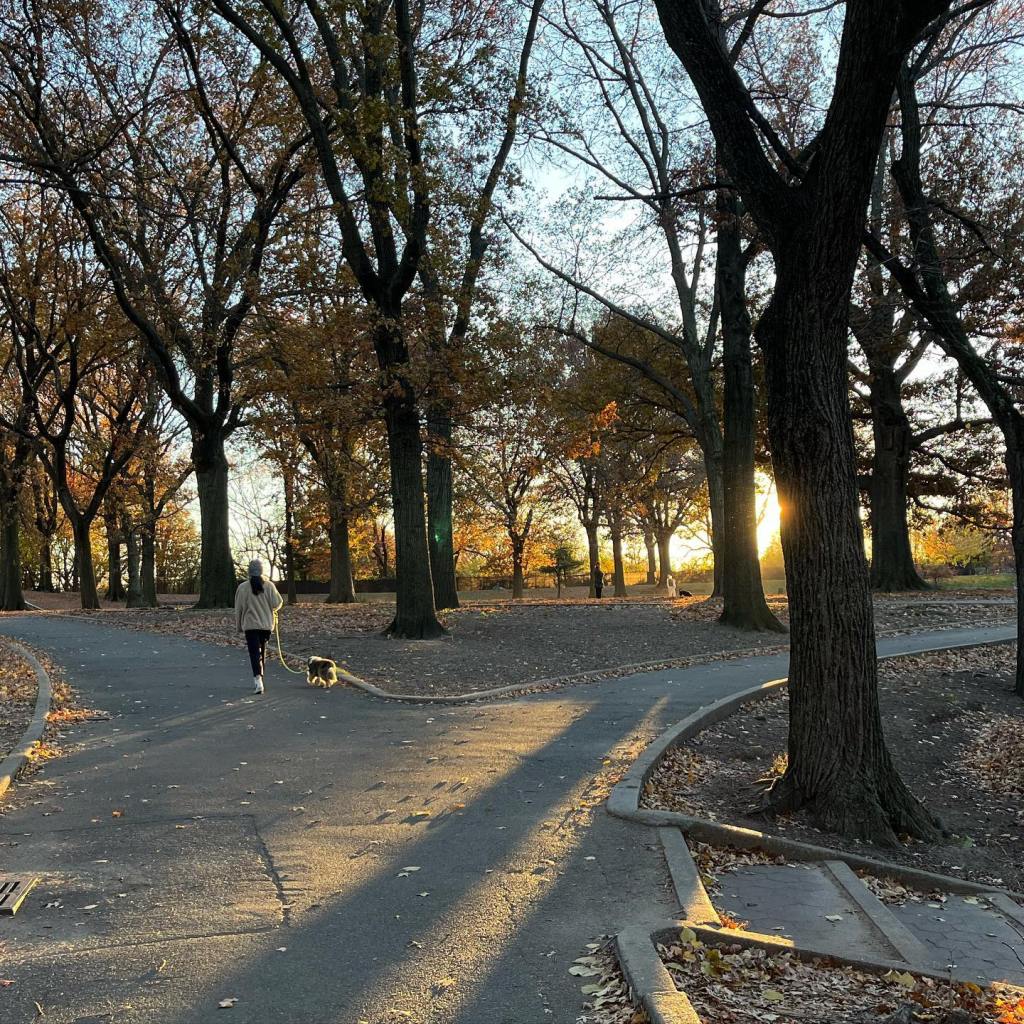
{"x":879,"y":814}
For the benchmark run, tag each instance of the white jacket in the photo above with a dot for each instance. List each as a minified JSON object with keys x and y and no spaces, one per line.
{"x":256,"y":611}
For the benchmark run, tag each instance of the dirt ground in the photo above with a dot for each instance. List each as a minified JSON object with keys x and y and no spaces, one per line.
{"x":18,"y":689}
{"x":956,"y":731}
{"x":504,"y":642}
{"x":737,"y":985}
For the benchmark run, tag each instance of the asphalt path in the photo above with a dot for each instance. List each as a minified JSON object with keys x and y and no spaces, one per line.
{"x":323,"y":857}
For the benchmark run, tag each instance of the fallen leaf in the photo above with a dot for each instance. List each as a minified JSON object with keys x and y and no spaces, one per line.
{"x":227,"y":1004}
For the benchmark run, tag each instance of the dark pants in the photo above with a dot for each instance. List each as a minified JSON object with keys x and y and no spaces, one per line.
{"x":256,"y":641}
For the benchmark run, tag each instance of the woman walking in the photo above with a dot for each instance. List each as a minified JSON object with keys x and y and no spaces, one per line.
{"x":256,"y":603}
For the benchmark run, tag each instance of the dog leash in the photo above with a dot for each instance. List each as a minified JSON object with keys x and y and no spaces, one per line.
{"x":280,"y":653}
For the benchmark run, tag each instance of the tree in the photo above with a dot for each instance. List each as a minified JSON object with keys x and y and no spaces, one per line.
{"x":668,"y":177}
{"x":355,"y":75}
{"x":563,"y":564}
{"x":809,"y":207}
{"x":506,"y":455}
{"x":925,"y":283}
{"x":80,"y":376}
{"x":173,"y":154}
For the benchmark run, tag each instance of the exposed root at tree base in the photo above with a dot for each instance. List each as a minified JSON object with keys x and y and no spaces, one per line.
{"x":756,"y":620}
{"x":417,"y":631}
{"x":883,"y":813}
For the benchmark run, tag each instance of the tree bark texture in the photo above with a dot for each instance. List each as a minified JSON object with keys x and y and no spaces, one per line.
{"x":216,"y":566}
{"x":812,"y":218}
{"x":440,"y":525}
{"x":664,"y":540}
{"x":839,"y":767}
{"x":85,"y":570}
{"x":343,"y":589}
{"x":593,"y":555}
{"x":652,"y":558}
{"x":415,"y":615}
{"x":892,"y":558}
{"x":115,"y":584}
{"x":744,"y":604}
{"x":147,"y":569}
{"x":133,"y":561}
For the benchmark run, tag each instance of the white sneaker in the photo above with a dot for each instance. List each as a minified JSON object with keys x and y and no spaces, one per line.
{"x":257,"y":684}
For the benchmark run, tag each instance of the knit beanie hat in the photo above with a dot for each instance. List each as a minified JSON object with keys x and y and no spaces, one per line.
{"x":255,"y":568}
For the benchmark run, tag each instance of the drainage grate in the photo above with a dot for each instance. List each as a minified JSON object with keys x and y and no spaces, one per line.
{"x":13,"y":890}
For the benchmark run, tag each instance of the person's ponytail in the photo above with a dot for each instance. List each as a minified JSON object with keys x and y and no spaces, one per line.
{"x":256,"y":582}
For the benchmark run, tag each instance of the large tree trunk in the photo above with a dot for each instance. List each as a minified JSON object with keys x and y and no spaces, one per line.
{"x":892,"y":559}
{"x":652,"y":558}
{"x":216,"y":568}
{"x":839,"y":767}
{"x":664,"y":539}
{"x":133,"y":559}
{"x":115,"y":584}
{"x":714,"y":470}
{"x":343,"y":589}
{"x":85,"y":569}
{"x":147,"y":569}
{"x":12,"y":599}
{"x":46,"y":563}
{"x":415,"y":615}
{"x":518,"y":545}
{"x":744,"y":605}
{"x":593,"y":554}
{"x":440,"y":527}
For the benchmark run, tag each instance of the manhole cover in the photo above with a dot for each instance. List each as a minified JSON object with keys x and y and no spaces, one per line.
{"x":13,"y":889}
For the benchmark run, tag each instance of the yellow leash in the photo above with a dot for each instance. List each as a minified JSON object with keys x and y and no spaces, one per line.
{"x":280,"y":653}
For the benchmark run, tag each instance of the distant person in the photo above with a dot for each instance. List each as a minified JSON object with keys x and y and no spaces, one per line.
{"x":598,"y":581}
{"x":256,"y":604}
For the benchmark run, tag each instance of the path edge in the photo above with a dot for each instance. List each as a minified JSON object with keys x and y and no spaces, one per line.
{"x":19,"y":755}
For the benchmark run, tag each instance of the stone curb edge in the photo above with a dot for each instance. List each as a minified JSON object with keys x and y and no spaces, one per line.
{"x":713,"y":936}
{"x":624,"y":799}
{"x":648,"y":978}
{"x":15,"y":760}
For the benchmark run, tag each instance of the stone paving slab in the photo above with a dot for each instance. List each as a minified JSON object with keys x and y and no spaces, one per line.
{"x":795,"y":901}
{"x":969,"y":935}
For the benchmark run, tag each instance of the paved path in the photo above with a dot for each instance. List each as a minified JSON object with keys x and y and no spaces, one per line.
{"x":202,"y":845}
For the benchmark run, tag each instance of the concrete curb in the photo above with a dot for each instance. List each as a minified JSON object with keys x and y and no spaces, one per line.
{"x":15,"y":760}
{"x":649,"y":980}
{"x":693,"y":898}
{"x":624,"y":799}
{"x":907,"y":945}
{"x":652,"y":985}
{"x":712,"y":936}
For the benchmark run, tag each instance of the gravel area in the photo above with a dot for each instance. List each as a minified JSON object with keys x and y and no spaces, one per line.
{"x":956,"y":731}
{"x":503,"y":642}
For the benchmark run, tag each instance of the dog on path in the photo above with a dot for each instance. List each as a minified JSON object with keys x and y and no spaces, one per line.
{"x":321,"y":672}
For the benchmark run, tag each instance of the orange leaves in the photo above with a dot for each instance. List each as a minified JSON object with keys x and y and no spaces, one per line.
{"x":1010,"y":1011}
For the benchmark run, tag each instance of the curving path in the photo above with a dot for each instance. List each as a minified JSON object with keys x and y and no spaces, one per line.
{"x":203,"y":846}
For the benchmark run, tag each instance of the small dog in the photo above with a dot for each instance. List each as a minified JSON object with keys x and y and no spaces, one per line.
{"x":321,"y":672}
